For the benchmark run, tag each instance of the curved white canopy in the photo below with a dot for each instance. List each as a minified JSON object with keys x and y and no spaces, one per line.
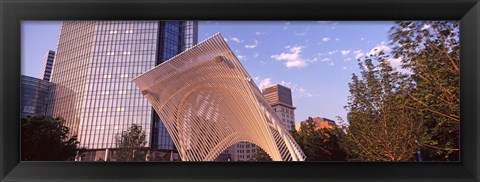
{"x":208,"y":102}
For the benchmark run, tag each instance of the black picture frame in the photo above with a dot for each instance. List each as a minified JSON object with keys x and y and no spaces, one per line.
{"x":13,"y":12}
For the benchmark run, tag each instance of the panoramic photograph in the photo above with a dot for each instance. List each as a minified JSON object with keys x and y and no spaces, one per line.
{"x":240,"y":91}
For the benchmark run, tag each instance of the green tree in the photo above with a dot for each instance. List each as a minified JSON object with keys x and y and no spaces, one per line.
{"x":45,"y":138}
{"x":131,"y":144}
{"x":319,"y":144}
{"x":382,"y":128}
{"x":430,"y":50}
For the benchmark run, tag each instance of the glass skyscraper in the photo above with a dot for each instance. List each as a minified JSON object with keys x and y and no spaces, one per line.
{"x":94,"y":65}
{"x":36,"y":96}
{"x":47,"y":65}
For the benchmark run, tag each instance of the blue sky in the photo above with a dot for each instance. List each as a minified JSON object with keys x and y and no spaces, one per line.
{"x":315,"y":59}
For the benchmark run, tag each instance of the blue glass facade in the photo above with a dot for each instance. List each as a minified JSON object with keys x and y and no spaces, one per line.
{"x":176,"y":37}
{"x":36,"y":95}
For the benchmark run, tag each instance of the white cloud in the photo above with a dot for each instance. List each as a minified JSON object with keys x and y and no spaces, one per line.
{"x":236,"y":39}
{"x":326,"y":39}
{"x":337,"y":39}
{"x":325,"y":59}
{"x":252,"y":45}
{"x":332,"y":52}
{"x":226,"y":40}
{"x":313,"y":60}
{"x":344,"y":68}
{"x":362,"y":39}
{"x":241,"y":57}
{"x":396,"y":63}
{"x":358,"y":54}
{"x":287,"y":84}
{"x":301,"y":92}
{"x":379,"y":48}
{"x":293,"y":59}
{"x":296,"y":63}
{"x":345,"y":52}
{"x":331,"y":63}
{"x":348,"y":59}
{"x":264,"y":82}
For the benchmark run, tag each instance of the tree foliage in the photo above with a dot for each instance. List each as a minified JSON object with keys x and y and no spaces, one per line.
{"x":262,"y":155}
{"x":45,"y":138}
{"x":319,"y":144}
{"x":430,"y":49}
{"x":131,"y":144}
{"x":382,"y":128}
{"x":392,"y":114}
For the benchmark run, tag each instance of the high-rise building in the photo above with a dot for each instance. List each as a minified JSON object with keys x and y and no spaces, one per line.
{"x":280,"y":99}
{"x":35,"y":96}
{"x":46,"y":71}
{"x":95,"y":63}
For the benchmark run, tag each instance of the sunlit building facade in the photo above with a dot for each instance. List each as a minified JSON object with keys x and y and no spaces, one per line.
{"x":242,"y":151}
{"x":320,"y":123}
{"x":280,"y":99}
{"x":95,"y":63}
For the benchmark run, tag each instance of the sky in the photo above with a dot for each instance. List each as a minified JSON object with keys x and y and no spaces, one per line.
{"x":315,"y":59}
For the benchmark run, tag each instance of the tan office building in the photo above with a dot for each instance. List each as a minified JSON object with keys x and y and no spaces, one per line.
{"x":280,"y":99}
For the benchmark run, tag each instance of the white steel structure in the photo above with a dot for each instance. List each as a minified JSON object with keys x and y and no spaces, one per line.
{"x":208,"y":102}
